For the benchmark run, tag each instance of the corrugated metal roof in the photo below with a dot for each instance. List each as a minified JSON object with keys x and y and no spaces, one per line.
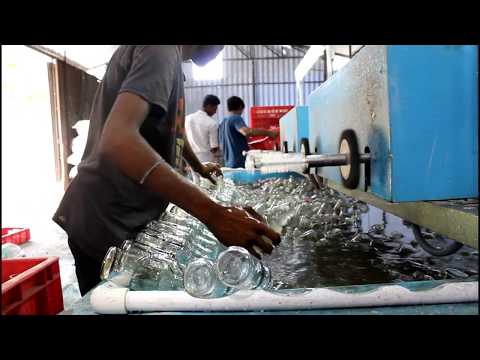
{"x":273,"y":82}
{"x":273,"y":75}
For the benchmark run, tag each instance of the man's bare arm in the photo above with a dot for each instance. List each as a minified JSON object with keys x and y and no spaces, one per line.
{"x":206,"y":170}
{"x":190,"y":156}
{"x":246,"y":131}
{"x":122,"y":144}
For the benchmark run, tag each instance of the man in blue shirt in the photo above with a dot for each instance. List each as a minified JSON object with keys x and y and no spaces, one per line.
{"x":233,"y":134}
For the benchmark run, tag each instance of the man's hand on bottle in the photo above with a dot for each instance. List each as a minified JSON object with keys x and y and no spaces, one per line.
{"x":209,"y":169}
{"x":240,"y":227}
{"x":254,"y":214}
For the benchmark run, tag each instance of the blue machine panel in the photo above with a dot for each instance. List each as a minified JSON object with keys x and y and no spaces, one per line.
{"x":416,"y":108}
{"x":434,"y":119}
{"x":302,"y":124}
{"x":294,"y":127}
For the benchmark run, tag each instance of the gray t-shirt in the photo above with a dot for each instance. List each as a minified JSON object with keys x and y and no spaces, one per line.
{"x":102,"y":205}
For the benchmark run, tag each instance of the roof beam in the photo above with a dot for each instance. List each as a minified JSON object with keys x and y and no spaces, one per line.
{"x":273,"y":51}
{"x":299,"y":48}
{"x":53,"y":54}
{"x":244,"y":53}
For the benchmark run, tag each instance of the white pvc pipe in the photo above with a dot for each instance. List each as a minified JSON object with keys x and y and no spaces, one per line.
{"x":111,"y":299}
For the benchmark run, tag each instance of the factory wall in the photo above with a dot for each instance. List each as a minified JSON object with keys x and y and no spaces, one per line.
{"x":265,"y":80}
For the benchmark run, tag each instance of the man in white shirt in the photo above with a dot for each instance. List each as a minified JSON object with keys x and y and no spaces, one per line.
{"x":202,"y":130}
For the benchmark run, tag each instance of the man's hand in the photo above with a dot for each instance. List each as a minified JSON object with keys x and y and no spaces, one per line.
{"x":246,"y":131}
{"x":254,"y":214}
{"x":237,"y":227}
{"x":273,"y":133}
{"x":208,"y":169}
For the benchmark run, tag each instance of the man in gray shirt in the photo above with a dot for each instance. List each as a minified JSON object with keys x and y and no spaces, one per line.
{"x":127,"y":176}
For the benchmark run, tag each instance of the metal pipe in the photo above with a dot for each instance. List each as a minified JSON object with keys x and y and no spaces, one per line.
{"x":364,"y":158}
{"x":326,"y":160}
{"x":314,"y":161}
{"x":333,"y":160}
{"x":281,"y":162}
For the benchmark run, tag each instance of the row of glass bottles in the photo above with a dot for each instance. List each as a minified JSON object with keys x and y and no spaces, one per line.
{"x":141,"y":268}
{"x":159,"y":256}
{"x":178,"y":250}
{"x":235,"y":269}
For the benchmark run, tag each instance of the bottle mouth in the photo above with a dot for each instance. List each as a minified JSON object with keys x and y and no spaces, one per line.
{"x":234,"y":266}
{"x":107,"y":262}
{"x":199,"y":278}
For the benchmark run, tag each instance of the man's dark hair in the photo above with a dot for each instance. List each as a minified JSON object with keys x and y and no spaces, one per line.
{"x":234,"y":103}
{"x":211,"y":100}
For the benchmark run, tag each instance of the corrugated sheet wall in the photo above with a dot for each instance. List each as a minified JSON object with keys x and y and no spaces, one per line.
{"x":268,"y":78}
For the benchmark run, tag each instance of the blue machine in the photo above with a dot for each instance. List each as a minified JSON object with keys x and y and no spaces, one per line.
{"x":415,"y":108}
{"x":294,"y":127}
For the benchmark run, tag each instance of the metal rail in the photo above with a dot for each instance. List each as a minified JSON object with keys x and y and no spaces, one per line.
{"x":455,"y":219}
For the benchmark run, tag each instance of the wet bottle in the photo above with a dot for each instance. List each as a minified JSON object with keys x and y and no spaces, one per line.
{"x":119,"y":263}
{"x":200,"y":243}
{"x":10,"y":250}
{"x":227,"y":194}
{"x":156,"y":271}
{"x":192,"y":238}
{"x":181,"y":243}
{"x":200,"y":280}
{"x":238,"y":269}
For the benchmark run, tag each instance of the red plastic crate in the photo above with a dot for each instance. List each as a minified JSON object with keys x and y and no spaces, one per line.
{"x":17,"y":236}
{"x":31,"y":286}
{"x":266,"y":117}
{"x":264,"y":142}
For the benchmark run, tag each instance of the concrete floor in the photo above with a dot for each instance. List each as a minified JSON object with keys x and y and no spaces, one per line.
{"x":51,"y":240}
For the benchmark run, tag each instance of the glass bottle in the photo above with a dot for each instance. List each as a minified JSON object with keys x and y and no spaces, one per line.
{"x":200,"y":243}
{"x":154,"y":240}
{"x":200,"y":280}
{"x":238,"y":269}
{"x":119,"y":264}
{"x":10,"y":250}
{"x":157,"y":271}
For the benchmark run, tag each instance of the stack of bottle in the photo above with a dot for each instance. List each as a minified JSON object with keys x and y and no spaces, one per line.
{"x":179,"y":252}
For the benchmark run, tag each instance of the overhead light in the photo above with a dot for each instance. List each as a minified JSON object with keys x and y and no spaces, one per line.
{"x":286,"y":46}
{"x":310,"y":58}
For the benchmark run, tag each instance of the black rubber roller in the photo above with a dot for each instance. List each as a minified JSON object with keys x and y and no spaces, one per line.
{"x":350,"y":173}
{"x":305,"y":147}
